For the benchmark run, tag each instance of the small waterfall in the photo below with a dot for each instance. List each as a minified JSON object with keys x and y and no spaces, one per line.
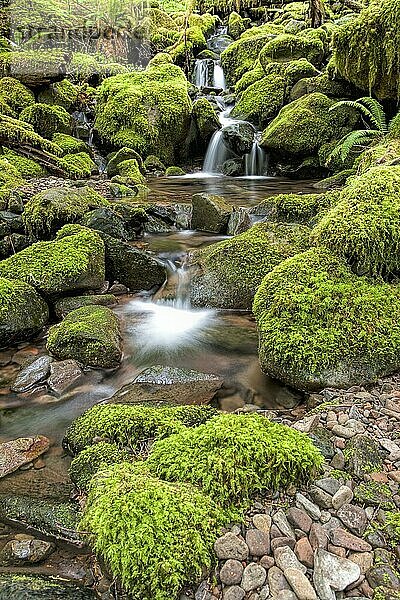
{"x":202,"y":73}
{"x":216,"y":154}
{"x":256,"y":162}
{"x":219,"y":77}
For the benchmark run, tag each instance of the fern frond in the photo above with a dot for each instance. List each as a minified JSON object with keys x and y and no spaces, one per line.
{"x":360,"y":137}
{"x":371,"y":114}
{"x":377,"y":112}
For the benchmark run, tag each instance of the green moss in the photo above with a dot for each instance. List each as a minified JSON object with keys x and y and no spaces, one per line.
{"x":386,"y":153}
{"x":65,"y":305}
{"x":373,"y":493}
{"x":206,"y":120}
{"x":27,"y":167}
{"x":132,"y":426}
{"x":322,"y":326}
{"x":174,"y":171}
{"x":299,"y":69}
{"x":46,"y":120}
{"x":287,"y":47}
{"x":78,"y":166}
{"x":236,"y":25}
{"x":233,"y":457}
{"x":14,"y":132}
{"x":153,"y":163}
{"x":364,"y":226}
{"x":229,"y":272}
{"x":90,"y":335}
{"x":366,"y":49}
{"x":262,"y":100}
{"x":33,"y":66}
{"x":46,"y":212}
{"x":63,"y":93}
{"x":15,"y":95}
{"x":75,"y":260}
{"x":130,"y":169}
{"x":22,"y":311}
{"x":69,"y":144}
{"x":250,"y":77}
{"x":304,"y":125}
{"x":240,"y":56}
{"x":145,"y":110}
{"x":124,"y":154}
{"x":10,"y":176}
{"x":83,"y":67}
{"x":93,"y":459}
{"x":154,"y":536}
{"x":295,"y":208}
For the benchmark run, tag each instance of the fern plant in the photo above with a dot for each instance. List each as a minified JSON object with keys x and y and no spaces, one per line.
{"x":375,"y":123}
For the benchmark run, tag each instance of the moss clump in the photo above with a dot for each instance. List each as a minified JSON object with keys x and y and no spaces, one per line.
{"x":364,"y":226}
{"x":47,"y":120}
{"x":132,"y":426}
{"x":25,"y":166}
{"x":295,"y":208}
{"x":262,"y":100}
{"x":78,"y":166}
{"x":236,"y":25}
{"x":131,"y":171}
{"x":233,"y":457}
{"x":63,"y":93}
{"x":153,"y":163}
{"x":322,"y":326}
{"x":124,"y":154}
{"x":92,"y":68}
{"x":205,"y":119}
{"x":250,"y":77}
{"x":90,"y":335}
{"x":387,"y":153}
{"x":22,"y":311}
{"x":229,"y":272}
{"x":33,"y":68}
{"x":69,"y":144}
{"x":15,"y":133}
{"x":154,"y":536}
{"x":15,"y":95}
{"x":304,"y":125}
{"x":367,"y":49}
{"x":287,"y":47}
{"x":10,"y":176}
{"x":240,"y":56}
{"x":145,"y":110}
{"x":75,"y":260}
{"x":93,"y":459}
{"x":174,"y":172}
{"x":46,"y":212}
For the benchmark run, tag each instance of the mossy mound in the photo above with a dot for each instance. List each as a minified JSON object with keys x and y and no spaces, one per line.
{"x":366,"y":49}
{"x":47,"y":120}
{"x":66,"y":305}
{"x":90,"y":335}
{"x":154,"y":536}
{"x":15,"y":95}
{"x":93,"y":459}
{"x":287,"y":47}
{"x":233,"y":457}
{"x":249,"y":77}
{"x":40,"y":587}
{"x":70,"y":144}
{"x":206,"y":121}
{"x":75,"y":260}
{"x":27,"y":167}
{"x":63,"y":93}
{"x":78,"y":166}
{"x":10,"y":176}
{"x":14,"y":133}
{"x":131,"y":426}
{"x":295,"y":208}
{"x":236,"y":25}
{"x":262,"y":100}
{"x":131,"y":171}
{"x":174,"y":172}
{"x":304,"y":125}
{"x":148,"y":111}
{"x":122,"y":155}
{"x":34,"y":68}
{"x":92,"y":68}
{"x":22,"y":311}
{"x":240,"y":56}
{"x":364,"y":226}
{"x":322,"y":326}
{"x":324,"y":85}
{"x":228,"y":273}
{"x":153,"y":164}
{"x":386,"y":153}
{"x":46,"y":212}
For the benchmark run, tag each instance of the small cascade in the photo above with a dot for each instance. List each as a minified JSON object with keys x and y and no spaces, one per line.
{"x":256,"y":162}
{"x":219,"y":77}
{"x":217,"y":153}
{"x":202,"y":73}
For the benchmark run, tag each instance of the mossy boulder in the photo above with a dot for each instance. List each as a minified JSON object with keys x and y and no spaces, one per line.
{"x":136,"y":269}
{"x":240,"y":56}
{"x":227,"y":274}
{"x":205,"y":120}
{"x":239,"y":137}
{"x":295,"y":208}
{"x":386,"y":153}
{"x":148,"y":111}
{"x":364,"y":226}
{"x":74,"y":261}
{"x":236,"y":25}
{"x":210,"y":213}
{"x":14,"y":132}
{"x":46,"y":212}
{"x":262,"y":100}
{"x":304,"y":125}
{"x":40,"y":587}
{"x":129,"y":169}
{"x":324,"y":85}
{"x":249,"y":77}
{"x":93,"y":459}
{"x":153,"y":164}
{"x":34,"y":68}
{"x":69,"y":144}
{"x":174,"y":171}
{"x":27,"y":167}
{"x":22,"y":311}
{"x":15,"y":96}
{"x":287,"y":47}
{"x":78,"y":166}
{"x":47,"y":120}
{"x":125,"y":154}
{"x":66,"y":305}
{"x":63,"y":93}
{"x":90,"y":334}
{"x":322,"y":326}
{"x":366,"y":49}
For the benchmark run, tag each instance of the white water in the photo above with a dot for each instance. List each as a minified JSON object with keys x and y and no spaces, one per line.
{"x":256,"y":162}
{"x":219,"y":77}
{"x":208,"y":73}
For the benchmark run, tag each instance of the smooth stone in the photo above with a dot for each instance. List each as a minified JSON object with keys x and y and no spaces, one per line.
{"x":318,"y":537}
{"x":328,"y":484}
{"x":341,"y":537}
{"x":19,"y":452}
{"x":332,"y":573}
{"x":344,"y":495}
{"x":304,"y":552}
{"x":231,"y":546}
{"x":254,"y":576}
{"x":32,"y":374}
{"x":231,"y":572}
{"x":280,"y":520}
{"x":258,"y":542}
{"x":323,"y":499}
{"x":262,"y":522}
{"x":392,"y":448}
{"x":353,"y":517}
{"x":19,"y":553}
{"x":310,"y":508}
{"x":282,"y":541}
{"x":299,"y":519}
{"x":277,"y":581}
{"x":300,"y":584}
{"x":384,"y":574}
{"x":233,"y":592}
{"x":285,"y":558}
{"x":63,"y":374}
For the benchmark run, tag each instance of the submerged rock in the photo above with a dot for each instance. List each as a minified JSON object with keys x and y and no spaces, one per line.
{"x":20,"y":587}
{"x":63,"y":374}
{"x":21,"y":451}
{"x":239,"y":137}
{"x":210,"y":213}
{"x":169,"y":384}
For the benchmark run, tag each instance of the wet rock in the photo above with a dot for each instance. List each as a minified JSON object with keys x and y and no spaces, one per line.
{"x":20,"y":587}
{"x":239,"y":137}
{"x":363,"y":455}
{"x":65,"y":305}
{"x":231,"y":546}
{"x":231,"y":572}
{"x":63,"y":374}
{"x":210,"y":213}
{"x":20,"y":553}
{"x":33,"y":374}
{"x":353,"y":517}
{"x":332,"y":573}
{"x":21,"y":451}
{"x":170,"y":384}
{"x":239,"y":221}
{"x":300,"y":584}
{"x":344,"y":539}
{"x":233,"y":167}
{"x":258,"y":542}
{"x":254,"y":576}
{"x":104,"y":219}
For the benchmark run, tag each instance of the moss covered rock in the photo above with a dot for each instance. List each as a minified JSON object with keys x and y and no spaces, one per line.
{"x":287,"y":47}
{"x":27,"y":167}
{"x":324,"y":85}
{"x":236,"y":25}
{"x":304,"y":125}
{"x":364,"y":226}
{"x":78,"y":166}
{"x":15,"y":95}
{"x":295,"y":208}
{"x":322,"y":326}
{"x":123,"y":155}
{"x":174,"y":172}
{"x":210,"y":213}
{"x":240,"y":56}
{"x":75,"y":260}
{"x":228,"y":273}
{"x":63,"y":93}
{"x":262,"y":100}
{"x":47,"y":120}
{"x":22,"y":311}
{"x":46,"y":212}
{"x":206,"y":121}
{"x":69,"y":144}
{"x":90,"y":334}
{"x":65,"y":305}
{"x":35,"y":68}
{"x":367,"y":49}
{"x":40,"y":587}
{"x":131,"y":171}
{"x":148,"y":111}
{"x":93,"y":459}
